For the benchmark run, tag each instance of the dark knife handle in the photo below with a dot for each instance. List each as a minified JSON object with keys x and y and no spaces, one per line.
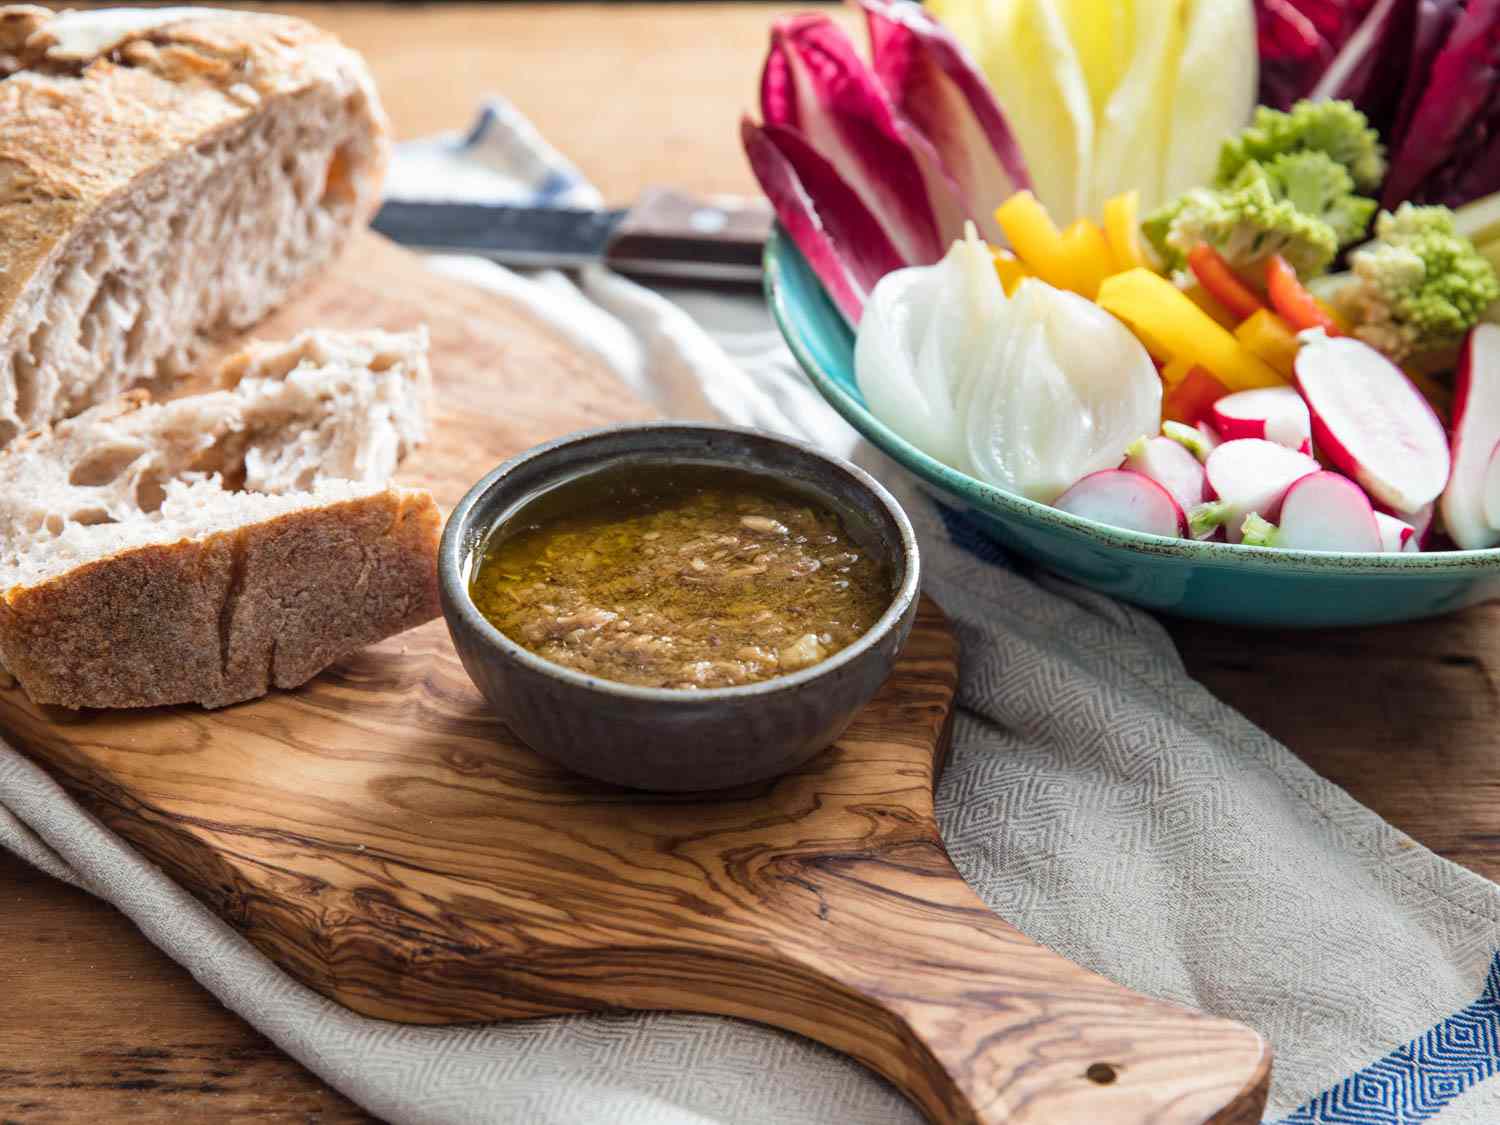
{"x":668,"y":233}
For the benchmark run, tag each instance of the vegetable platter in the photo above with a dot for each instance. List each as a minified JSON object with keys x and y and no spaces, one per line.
{"x":1154,"y":306}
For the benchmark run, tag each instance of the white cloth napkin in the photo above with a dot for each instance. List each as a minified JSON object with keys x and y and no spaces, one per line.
{"x":1096,"y":796}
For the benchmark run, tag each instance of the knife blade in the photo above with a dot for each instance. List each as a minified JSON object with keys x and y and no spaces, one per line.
{"x":666,"y":235}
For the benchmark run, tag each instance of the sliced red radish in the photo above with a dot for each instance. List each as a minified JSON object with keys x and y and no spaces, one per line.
{"x":1252,"y":475}
{"x":1275,"y":413}
{"x":1371,"y":423}
{"x":1199,"y":440}
{"x":1171,"y":466}
{"x":1396,"y":535}
{"x":1125,"y":499}
{"x":1327,"y":512}
{"x":1421,"y":522}
{"x":1492,"y":489}
{"x":1476,"y":430}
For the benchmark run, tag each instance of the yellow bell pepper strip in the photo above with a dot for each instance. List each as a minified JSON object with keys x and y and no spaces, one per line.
{"x":1008,"y":268}
{"x":1034,"y":238}
{"x":1088,"y":256}
{"x":1174,"y":372}
{"x":1210,"y":304}
{"x":1158,"y":311}
{"x":1266,"y":335}
{"x":1122,"y":226}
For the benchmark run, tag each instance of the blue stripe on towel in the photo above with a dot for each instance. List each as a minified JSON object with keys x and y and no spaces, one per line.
{"x":1417,"y":1081}
{"x":969,"y":537}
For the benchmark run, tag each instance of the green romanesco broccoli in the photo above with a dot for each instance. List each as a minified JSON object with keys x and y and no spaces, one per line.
{"x":1286,"y":185}
{"x":1419,"y":286}
{"x":1317,"y":185}
{"x":1335,"y":128}
{"x":1246,"y":223}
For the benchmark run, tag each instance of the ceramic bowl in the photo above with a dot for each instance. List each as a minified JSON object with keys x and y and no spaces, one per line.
{"x":1222,"y":582}
{"x":665,"y":738}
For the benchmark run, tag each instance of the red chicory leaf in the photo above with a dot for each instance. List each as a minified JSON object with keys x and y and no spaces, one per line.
{"x":1292,"y":53}
{"x":816,"y":84}
{"x":842,"y":241}
{"x":1374,"y":49}
{"x":937,"y":87}
{"x":1463,"y":74}
{"x":1431,"y":23}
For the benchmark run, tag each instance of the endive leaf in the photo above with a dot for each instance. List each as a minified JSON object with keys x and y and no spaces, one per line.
{"x":937,"y":87}
{"x":1218,"y":55}
{"x":837,"y":234}
{"x":816,"y":84}
{"x":1131,"y":132}
{"x":1031,"y":64}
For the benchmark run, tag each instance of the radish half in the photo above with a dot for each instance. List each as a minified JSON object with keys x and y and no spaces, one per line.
{"x":1171,"y":466}
{"x":1492,"y":489}
{"x":1476,"y":431}
{"x":1371,"y":423}
{"x":1252,"y":475}
{"x":1275,"y":413}
{"x":1327,"y":512}
{"x":1396,"y":535}
{"x":1126,"y":499}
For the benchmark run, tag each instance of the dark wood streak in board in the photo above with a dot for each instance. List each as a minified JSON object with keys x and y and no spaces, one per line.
{"x":378,"y":835}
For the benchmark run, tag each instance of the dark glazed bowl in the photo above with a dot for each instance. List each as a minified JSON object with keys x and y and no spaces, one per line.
{"x":667,"y":738}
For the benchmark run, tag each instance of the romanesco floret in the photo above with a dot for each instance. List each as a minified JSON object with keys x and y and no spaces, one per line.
{"x":1419,"y":286}
{"x":1332,"y":127}
{"x":1246,"y":223}
{"x":1317,"y":185}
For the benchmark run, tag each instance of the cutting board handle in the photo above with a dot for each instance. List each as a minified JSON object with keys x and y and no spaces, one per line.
{"x":980,"y":1024}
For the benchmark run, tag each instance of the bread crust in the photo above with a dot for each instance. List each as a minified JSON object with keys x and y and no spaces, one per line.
{"x":225,"y":618}
{"x":77,"y":133}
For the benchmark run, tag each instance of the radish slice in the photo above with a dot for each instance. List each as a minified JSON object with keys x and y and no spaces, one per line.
{"x":1421,"y":522}
{"x":1328,"y":512}
{"x":1275,"y":413}
{"x":1476,"y":430}
{"x":1252,"y":475}
{"x":1371,"y":423}
{"x":1396,"y":535}
{"x":1199,"y":440}
{"x":1126,"y":499}
{"x":1492,"y":489}
{"x":1171,"y":466}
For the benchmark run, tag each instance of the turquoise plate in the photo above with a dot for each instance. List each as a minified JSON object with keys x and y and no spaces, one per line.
{"x":1212,"y":581}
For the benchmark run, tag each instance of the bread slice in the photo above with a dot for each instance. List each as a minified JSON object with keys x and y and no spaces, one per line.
{"x":205,"y":549}
{"x":166,"y":177}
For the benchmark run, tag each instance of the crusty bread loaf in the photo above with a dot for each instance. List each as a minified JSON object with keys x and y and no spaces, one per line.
{"x":204,"y":549}
{"x":166,"y":177}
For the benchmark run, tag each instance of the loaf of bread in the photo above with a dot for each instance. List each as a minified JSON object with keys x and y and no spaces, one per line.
{"x":166,"y":177}
{"x":207,"y":548}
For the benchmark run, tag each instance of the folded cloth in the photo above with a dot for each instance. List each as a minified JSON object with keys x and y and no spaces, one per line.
{"x":1096,"y":796}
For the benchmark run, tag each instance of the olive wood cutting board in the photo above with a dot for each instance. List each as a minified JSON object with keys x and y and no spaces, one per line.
{"x":381,"y":837}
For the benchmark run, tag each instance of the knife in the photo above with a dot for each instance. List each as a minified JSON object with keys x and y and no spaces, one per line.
{"x":666,"y":235}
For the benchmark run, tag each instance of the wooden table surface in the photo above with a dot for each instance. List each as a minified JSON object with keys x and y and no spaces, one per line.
{"x":97,"y":1022}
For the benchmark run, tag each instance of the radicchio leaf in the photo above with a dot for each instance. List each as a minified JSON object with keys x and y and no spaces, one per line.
{"x":816,"y":84}
{"x":1360,"y":72}
{"x":938,"y":88}
{"x":1431,"y":23}
{"x":842,"y":241}
{"x":1463,"y":75}
{"x":1292,"y":53}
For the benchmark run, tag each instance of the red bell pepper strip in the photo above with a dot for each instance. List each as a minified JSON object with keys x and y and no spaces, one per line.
{"x":1214,"y":274}
{"x":1292,"y":302}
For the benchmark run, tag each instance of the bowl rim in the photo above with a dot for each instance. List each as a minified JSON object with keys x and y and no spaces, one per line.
{"x":779,"y":247}
{"x":456,"y":542}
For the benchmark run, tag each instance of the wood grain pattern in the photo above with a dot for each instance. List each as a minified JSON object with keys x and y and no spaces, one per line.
{"x":380,"y":836}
